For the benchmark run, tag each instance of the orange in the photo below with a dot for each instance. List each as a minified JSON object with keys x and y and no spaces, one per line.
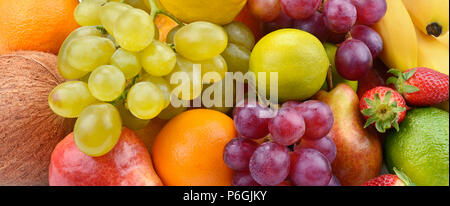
{"x":40,"y":25}
{"x":164,"y":24}
{"x":189,"y":149}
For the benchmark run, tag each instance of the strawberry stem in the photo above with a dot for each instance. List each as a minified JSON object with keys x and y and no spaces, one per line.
{"x":399,"y":81}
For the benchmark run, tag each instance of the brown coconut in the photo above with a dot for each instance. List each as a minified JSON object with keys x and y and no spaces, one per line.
{"x":29,"y":130}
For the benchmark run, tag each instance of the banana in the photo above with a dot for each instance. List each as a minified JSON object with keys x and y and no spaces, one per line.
{"x":399,"y":36}
{"x":430,"y":16}
{"x":432,"y":53}
{"x":444,"y":39}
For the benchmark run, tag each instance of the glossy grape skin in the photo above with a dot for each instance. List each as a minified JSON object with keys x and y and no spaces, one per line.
{"x":162,"y":84}
{"x":106,"y":83}
{"x":324,"y":145}
{"x":64,"y":68}
{"x":318,"y":118}
{"x":243,"y":179}
{"x":281,"y":22}
{"x":170,"y":39}
{"x":87,"y":13}
{"x":200,"y":41}
{"x":237,"y":58}
{"x":287,"y":127}
{"x":370,"y":37}
{"x":217,"y":65}
{"x":98,"y":129}
{"x":340,"y":15}
{"x":128,"y":62}
{"x":336,"y":38}
{"x":128,"y":119}
{"x":194,"y":82}
{"x":334,"y":181}
{"x":353,"y":60}
{"x":251,"y":120}
{"x":269,"y":164}
{"x":70,"y":98}
{"x":300,"y":9}
{"x":291,"y":104}
{"x":237,"y":153}
{"x":265,"y":10}
{"x":145,"y":100}
{"x":134,"y":30}
{"x":240,"y":34}
{"x":80,"y":55}
{"x":110,"y":12}
{"x":309,"y":168}
{"x":158,"y":59}
{"x":315,"y":25}
{"x":370,"y":11}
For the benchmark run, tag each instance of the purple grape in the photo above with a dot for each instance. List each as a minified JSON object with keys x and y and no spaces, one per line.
{"x":310,"y":168}
{"x":288,"y":127}
{"x":324,"y":145}
{"x":340,"y":15}
{"x":370,"y":11}
{"x":370,"y":37}
{"x":334,"y":181}
{"x":243,"y":179}
{"x":314,"y":25}
{"x":238,"y":152}
{"x":318,"y":118}
{"x":336,"y":38}
{"x":251,"y":120}
{"x":281,"y":22}
{"x":291,"y":103}
{"x":269,"y":164}
{"x":353,"y":60}
{"x":300,"y":9}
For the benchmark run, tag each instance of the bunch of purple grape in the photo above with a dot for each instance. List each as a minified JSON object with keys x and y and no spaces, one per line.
{"x":334,"y":21}
{"x":300,"y":152}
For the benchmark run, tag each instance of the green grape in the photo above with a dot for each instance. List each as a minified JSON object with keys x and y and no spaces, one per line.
{"x":134,"y":30}
{"x":129,"y":120}
{"x":127,"y":62}
{"x":170,"y":39}
{"x":64,"y":68}
{"x":106,"y":83}
{"x":87,"y":13}
{"x":158,"y":59}
{"x":85,"y":78}
{"x":145,"y":100}
{"x":191,"y":85}
{"x":171,"y":112}
{"x":218,"y":65}
{"x":162,"y":84}
{"x":138,"y":4}
{"x":110,"y":12}
{"x":200,"y":41}
{"x":98,"y":129}
{"x":237,"y":58}
{"x":240,"y":34}
{"x":89,"y":52}
{"x":70,"y":98}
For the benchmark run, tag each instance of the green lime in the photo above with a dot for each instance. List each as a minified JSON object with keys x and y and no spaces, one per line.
{"x":298,"y":57}
{"x":420,"y":149}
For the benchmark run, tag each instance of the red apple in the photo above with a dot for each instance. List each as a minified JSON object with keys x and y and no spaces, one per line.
{"x":128,"y":164}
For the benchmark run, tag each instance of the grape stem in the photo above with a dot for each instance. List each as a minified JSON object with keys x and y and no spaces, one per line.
{"x":155,"y":10}
{"x":126,"y":90}
{"x":330,"y":79}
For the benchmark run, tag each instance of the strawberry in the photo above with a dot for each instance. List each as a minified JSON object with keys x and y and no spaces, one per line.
{"x":421,"y":86}
{"x":400,"y":179}
{"x":383,"y":107}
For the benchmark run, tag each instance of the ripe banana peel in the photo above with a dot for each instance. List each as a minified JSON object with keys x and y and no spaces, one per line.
{"x":432,"y":54}
{"x":399,"y":36}
{"x":430,"y":16}
{"x":444,"y":39}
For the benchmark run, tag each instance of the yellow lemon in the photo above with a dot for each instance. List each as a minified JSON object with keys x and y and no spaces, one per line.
{"x":216,"y":11}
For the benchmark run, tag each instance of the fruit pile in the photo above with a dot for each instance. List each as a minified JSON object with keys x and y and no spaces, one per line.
{"x":224,"y":92}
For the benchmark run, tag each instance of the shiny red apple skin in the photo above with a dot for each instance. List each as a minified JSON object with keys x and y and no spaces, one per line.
{"x":127,"y":164}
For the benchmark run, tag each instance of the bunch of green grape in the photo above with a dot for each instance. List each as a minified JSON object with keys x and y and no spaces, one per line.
{"x":119,"y":72}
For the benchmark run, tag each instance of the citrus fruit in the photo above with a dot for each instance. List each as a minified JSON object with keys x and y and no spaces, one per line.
{"x":189,"y":149}
{"x":40,"y":25}
{"x":298,"y":57}
{"x":421,"y":149}
{"x":215,"y":11}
